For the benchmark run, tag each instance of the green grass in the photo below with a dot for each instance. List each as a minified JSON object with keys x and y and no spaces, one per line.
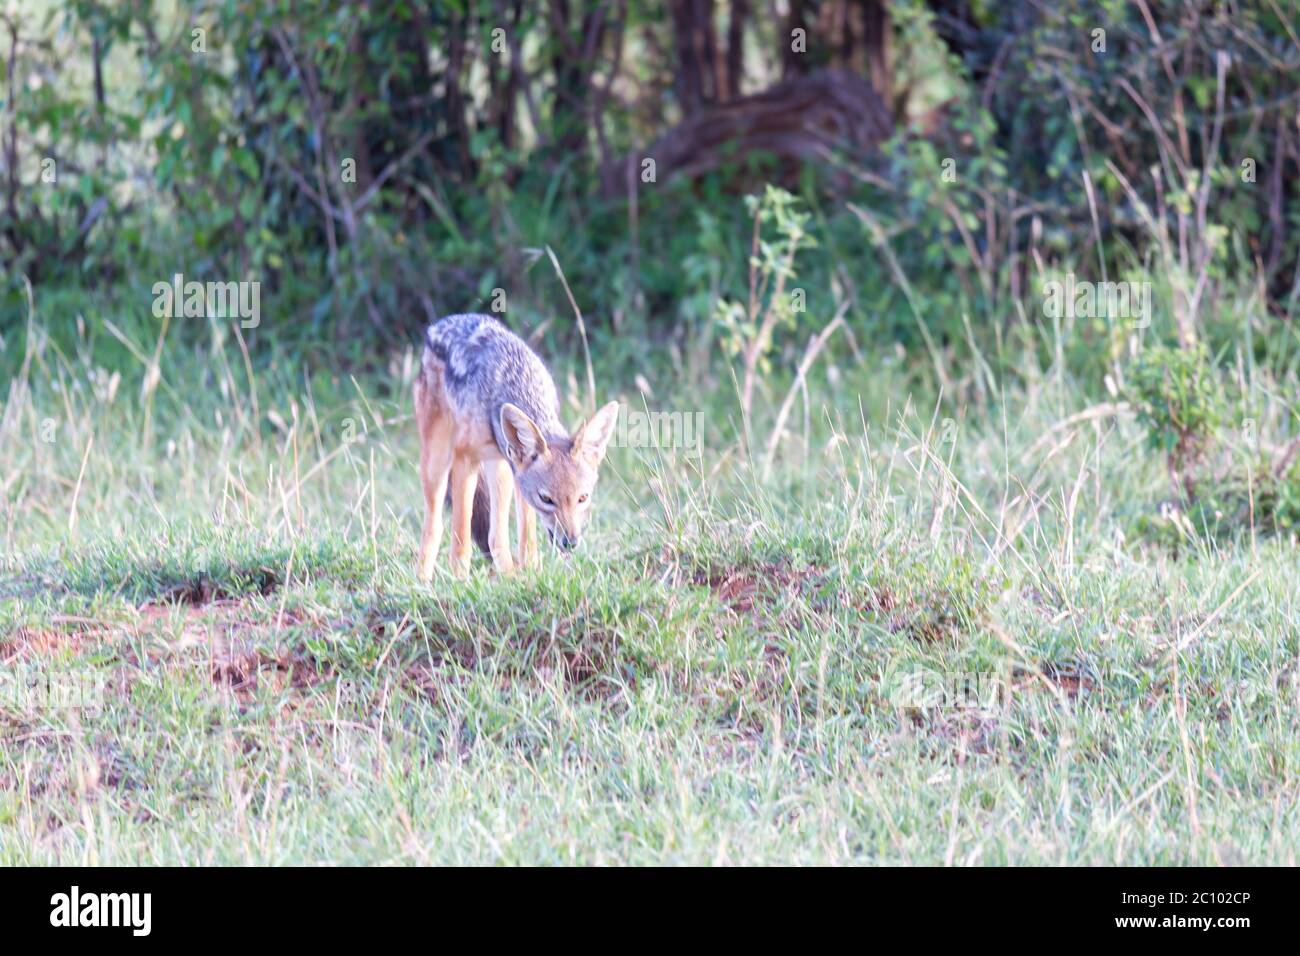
{"x":726,"y":673}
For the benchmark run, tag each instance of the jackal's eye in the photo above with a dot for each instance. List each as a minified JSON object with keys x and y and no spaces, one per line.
{"x":544,"y":498}
{"x":582,"y":499}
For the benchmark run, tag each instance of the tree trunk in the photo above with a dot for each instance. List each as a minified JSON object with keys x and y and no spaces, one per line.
{"x":875,"y":42}
{"x":699,"y":69}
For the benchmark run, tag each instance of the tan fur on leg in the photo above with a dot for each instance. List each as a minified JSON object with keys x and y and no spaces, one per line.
{"x":435,"y":464}
{"x":501,"y":489}
{"x":464,"y":477}
{"x":526,"y":518}
{"x":433,"y":476}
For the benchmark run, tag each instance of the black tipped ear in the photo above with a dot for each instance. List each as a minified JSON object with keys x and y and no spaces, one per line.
{"x":591,"y":440}
{"x":524,"y":441}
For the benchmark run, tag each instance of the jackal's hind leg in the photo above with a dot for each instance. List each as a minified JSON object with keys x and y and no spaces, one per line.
{"x":435,"y":492}
{"x":464,"y":478}
{"x":435,"y":464}
{"x":501,"y":489}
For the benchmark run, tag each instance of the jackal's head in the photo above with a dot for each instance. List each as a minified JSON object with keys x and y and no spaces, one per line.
{"x":558,"y":475}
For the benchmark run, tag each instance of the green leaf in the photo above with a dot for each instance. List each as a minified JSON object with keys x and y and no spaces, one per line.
{"x":244,"y":160}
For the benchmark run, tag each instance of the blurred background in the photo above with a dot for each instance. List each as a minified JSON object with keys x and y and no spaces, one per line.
{"x":376,"y":164}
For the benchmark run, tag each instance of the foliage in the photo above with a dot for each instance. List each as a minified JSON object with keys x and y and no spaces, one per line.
{"x":1178,"y":399}
{"x":470,"y":148}
{"x":779,"y":234}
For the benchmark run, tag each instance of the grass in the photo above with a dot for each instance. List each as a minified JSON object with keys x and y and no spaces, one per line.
{"x":215,"y":649}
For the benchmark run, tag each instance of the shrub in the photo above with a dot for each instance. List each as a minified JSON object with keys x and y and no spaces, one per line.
{"x":1177,"y":396}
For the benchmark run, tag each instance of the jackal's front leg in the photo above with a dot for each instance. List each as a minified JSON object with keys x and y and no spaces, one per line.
{"x":526,"y":518}
{"x":501,"y":488}
{"x":464,"y":478}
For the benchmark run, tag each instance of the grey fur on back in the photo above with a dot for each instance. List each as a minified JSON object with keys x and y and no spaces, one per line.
{"x":486,"y":365}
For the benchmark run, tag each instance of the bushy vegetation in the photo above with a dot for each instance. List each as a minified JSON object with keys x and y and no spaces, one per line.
{"x":371,"y":166}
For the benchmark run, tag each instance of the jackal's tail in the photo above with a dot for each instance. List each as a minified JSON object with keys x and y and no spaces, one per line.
{"x":480,"y":514}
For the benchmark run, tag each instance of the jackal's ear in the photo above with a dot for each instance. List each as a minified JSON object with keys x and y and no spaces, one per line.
{"x":592,"y":437}
{"x":524,"y":441}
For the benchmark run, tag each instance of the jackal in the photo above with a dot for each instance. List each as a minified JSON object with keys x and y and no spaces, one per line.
{"x":489,"y":417}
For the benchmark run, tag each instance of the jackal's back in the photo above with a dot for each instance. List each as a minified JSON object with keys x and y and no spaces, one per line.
{"x":485,"y":365}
